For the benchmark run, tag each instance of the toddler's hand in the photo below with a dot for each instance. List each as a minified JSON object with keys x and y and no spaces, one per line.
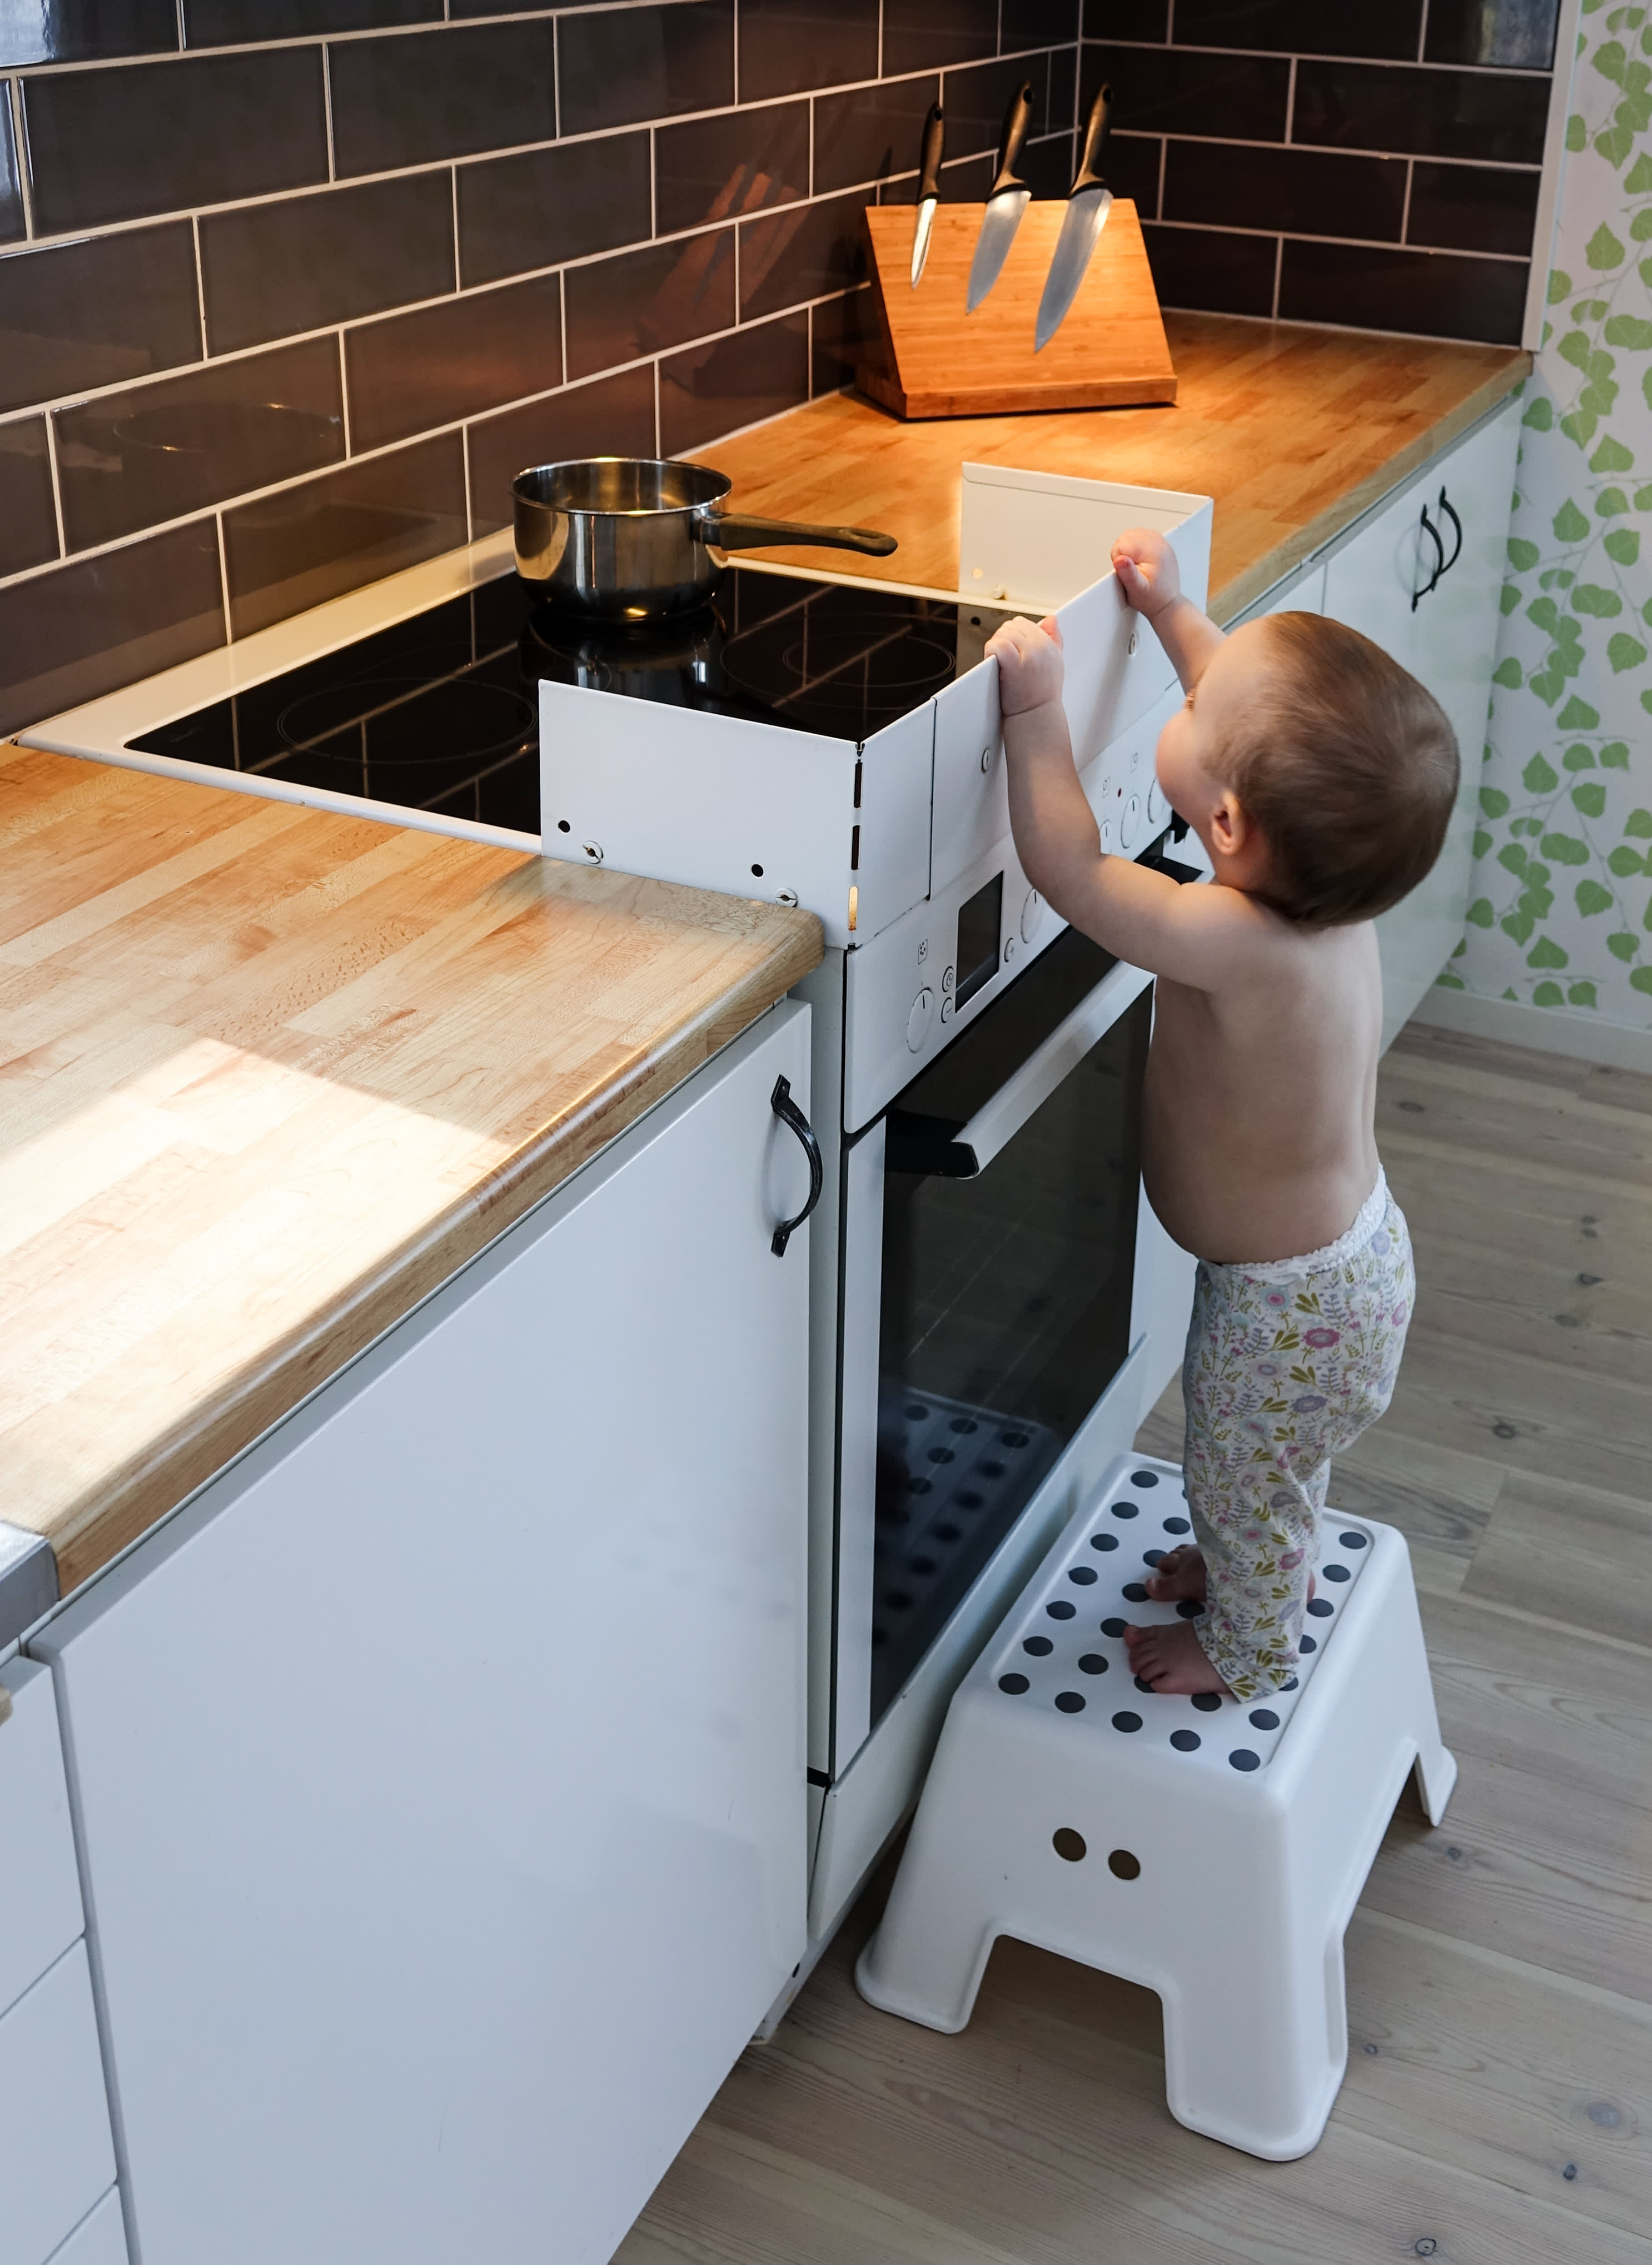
{"x":1147,"y":571}
{"x":1029,"y":664}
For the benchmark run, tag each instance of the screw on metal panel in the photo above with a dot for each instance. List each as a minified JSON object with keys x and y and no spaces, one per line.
{"x":1426,"y":2247}
{"x":592,"y":850}
{"x":986,"y":761}
{"x":1569,"y":2171}
{"x":785,"y":896}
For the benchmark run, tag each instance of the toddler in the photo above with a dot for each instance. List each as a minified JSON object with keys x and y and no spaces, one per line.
{"x":1319,"y":778}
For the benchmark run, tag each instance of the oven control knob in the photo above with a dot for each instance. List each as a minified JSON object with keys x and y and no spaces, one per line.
{"x":1031,"y":916}
{"x":949,"y":977}
{"x":1129,"y":824}
{"x":946,"y":1010}
{"x":1107,"y":835}
{"x":918,"y":1021}
{"x":1158,"y":808}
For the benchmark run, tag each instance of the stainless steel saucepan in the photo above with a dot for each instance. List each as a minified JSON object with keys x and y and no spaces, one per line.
{"x":629,"y":538}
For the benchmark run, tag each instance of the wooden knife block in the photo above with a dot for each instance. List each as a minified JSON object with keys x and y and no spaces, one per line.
{"x":938,"y":361}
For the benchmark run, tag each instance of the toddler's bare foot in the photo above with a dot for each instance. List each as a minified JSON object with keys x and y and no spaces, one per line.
{"x":1178,"y":1575}
{"x":1172,"y":1659}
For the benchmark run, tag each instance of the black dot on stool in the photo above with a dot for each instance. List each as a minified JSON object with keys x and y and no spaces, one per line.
{"x":1242,"y":1758}
{"x":1060,"y":1609}
{"x":1070,"y":1702}
{"x":1092,"y":1663}
{"x":1144,"y":1478}
{"x":1127,"y":1721}
{"x":1135,"y":1592}
{"x":1305,"y":1643}
{"x":1189,"y":1608}
{"x":1151,"y":1556}
{"x":1289,"y":1685}
{"x":1112,"y":1627}
{"x":1014,"y":1684}
{"x":1104,"y":1541}
{"x":917,"y":1414}
{"x":1039,"y":1646}
{"x":964,"y":1424}
{"x":1352,"y":1541}
{"x":1012,"y":1439}
{"x":1206,"y":1701}
{"x":993,"y":1471}
{"x":1265,"y":1719}
{"x":939,"y":1455}
{"x":1083,"y":1574}
{"x":1322,"y":1608}
{"x":1069,"y":1843}
{"x":1143,"y":1684}
{"x":1177,"y":1525}
{"x":1186,"y":1741}
{"x":1335,"y":1572}
{"x":1125,"y":1510}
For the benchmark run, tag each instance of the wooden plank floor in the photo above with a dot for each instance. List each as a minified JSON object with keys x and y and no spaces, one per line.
{"x":1498,"y":2105}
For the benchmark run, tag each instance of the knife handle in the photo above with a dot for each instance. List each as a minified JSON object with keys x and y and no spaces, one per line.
{"x":1017,"y":120}
{"x":1096,"y":134}
{"x":934,"y":142}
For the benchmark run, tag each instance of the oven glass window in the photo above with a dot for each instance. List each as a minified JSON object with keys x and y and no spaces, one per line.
{"x":980,"y":922}
{"x":1006,"y":1296}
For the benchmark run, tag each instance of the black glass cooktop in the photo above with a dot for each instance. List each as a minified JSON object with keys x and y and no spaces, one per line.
{"x":441,"y":712}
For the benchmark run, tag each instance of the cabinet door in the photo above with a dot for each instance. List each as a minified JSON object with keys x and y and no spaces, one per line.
{"x":1448,"y":641}
{"x":442,"y":1767}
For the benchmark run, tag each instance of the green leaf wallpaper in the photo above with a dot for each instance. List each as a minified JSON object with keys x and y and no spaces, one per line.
{"x":1560,"y":910}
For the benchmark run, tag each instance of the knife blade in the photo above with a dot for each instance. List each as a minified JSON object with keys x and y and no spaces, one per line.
{"x":1006,"y":202}
{"x":928,"y":188}
{"x":1089,"y":200}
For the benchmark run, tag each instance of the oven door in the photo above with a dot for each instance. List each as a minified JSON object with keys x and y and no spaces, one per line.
{"x":989,"y":1250}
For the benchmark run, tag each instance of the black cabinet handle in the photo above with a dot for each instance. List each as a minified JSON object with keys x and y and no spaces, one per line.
{"x":789,"y":1115}
{"x":1457,"y":524}
{"x":1433,"y":534}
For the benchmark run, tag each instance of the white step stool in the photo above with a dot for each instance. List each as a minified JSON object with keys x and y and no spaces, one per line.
{"x":1211,"y":1850}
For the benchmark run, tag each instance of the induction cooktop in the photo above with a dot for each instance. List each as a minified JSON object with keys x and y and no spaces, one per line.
{"x":441,"y":712}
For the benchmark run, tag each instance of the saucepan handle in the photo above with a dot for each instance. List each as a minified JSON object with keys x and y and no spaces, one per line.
{"x":734,"y":530}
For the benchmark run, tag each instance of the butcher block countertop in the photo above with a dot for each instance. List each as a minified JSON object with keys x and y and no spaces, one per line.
{"x":267,"y":1076}
{"x":1294,"y":431}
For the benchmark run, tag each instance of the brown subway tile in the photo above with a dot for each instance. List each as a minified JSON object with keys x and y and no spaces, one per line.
{"x":806,"y":253}
{"x":129,"y":460}
{"x":918,"y":34}
{"x":1301,"y":26}
{"x":441,"y":94}
{"x":271,"y":270}
{"x":544,"y":206}
{"x":1161,"y":90}
{"x":622,"y":65}
{"x":709,"y":169}
{"x":11,"y":187}
{"x":870,"y":134}
{"x":219,"y":22}
{"x":88,"y":628}
{"x":1438,"y":295}
{"x":1222,"y":274}
{"x":1517,"y":34}
{"x":1312,"y":191}
{"x":100,"y":312}
{"x":976,"y":100}
{"x":1472,"y":207}
{"x":1127,"y":20}
{"x":1061,"y":110}
{"x":1037,"y":24}
{"x":611,"y":416}
{"x":1434,"y":113}
{"x":288,"y":552}
{"x":452,"y":361}
{"x":1130,"y":162}
{"x":86,"y":31}
{"x":790,"y":45}
{"x":716,"y":389}
{"x":28,"y":524}
{"x":642,"y":300}
{"x":105,"y":146}
{"x":842,"y":332}
{"x":1046,"y":167}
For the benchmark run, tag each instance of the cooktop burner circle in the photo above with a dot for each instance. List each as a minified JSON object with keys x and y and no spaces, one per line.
{"x":409,"y":719}
{"x":851,"y":662}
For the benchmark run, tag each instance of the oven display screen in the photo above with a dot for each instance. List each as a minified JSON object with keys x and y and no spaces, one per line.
{"x":980,"y":922}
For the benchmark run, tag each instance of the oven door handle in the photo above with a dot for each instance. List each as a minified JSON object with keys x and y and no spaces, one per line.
{"x":972,"y":1147}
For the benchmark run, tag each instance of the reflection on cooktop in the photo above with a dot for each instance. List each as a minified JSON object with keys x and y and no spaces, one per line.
{"x":441,"y":713}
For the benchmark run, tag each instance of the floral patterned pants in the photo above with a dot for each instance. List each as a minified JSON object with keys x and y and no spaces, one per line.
{"x":1287,"y":1363}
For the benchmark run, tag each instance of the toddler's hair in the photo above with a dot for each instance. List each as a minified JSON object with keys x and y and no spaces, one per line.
{"x":1350,"y":768}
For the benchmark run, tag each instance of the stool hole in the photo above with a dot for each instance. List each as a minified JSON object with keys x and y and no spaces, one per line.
{"x":1123,"y":1865}
{"x":1070,"y":1844}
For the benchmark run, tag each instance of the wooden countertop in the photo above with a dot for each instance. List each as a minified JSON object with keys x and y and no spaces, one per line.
{"x":267,"y":1076}
{"x":1294,"y":431}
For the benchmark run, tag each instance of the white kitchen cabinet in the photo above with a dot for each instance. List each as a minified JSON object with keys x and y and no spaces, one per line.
{"x":1448,"y":640}
{"x":55,"y":2155}
{"x":442,"y":1765}
{"x":39,"y":1886}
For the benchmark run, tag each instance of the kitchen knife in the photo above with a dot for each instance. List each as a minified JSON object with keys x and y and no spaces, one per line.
{"x":1089,"y":203}
{"x":1006,"y":202}
{"x":934,"y":134}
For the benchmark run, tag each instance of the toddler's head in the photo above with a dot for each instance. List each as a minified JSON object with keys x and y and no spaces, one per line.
{"x":1345,"y":765}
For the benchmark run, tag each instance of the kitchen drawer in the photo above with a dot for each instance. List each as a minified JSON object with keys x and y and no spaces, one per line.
{"x":101,"y":2239}
{"x":56,"y":2155}
{"x":40,"y":1887}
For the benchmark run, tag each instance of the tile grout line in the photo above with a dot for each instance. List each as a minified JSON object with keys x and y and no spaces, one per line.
{"x":57,"y":497}
{"x":1290,"y":104}
{"x":1278,"y":273}
{"x":1422,"y":36}
{"x":1510,"y":71}
{"x":200,"y":289}
{"x":326,"y":102}
{"x":20,"y":142}
{"x":458,"y":268}
{"x":223,"y":580}
{"x":343,"y":396}
{"x":1404,"y":206}
{"x":1164,"y":157}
